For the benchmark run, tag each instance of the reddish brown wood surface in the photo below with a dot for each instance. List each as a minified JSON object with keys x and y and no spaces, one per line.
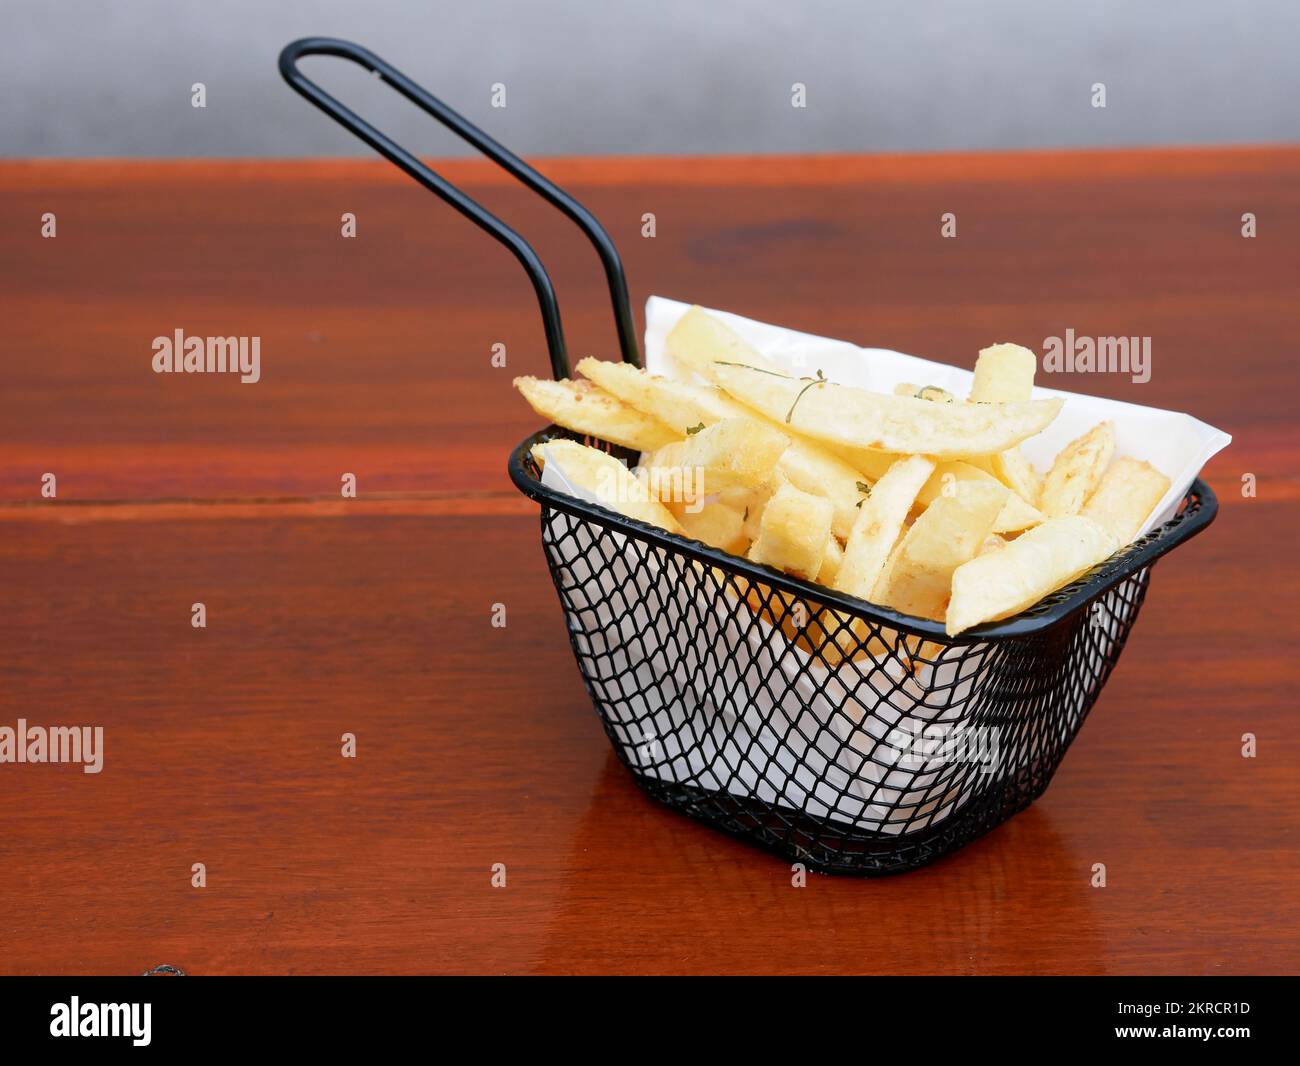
{"x":477,"y":745}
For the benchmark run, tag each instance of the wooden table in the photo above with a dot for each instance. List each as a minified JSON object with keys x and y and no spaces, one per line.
{"x":477,"y":745}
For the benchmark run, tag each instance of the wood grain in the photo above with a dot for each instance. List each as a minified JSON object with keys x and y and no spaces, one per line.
{"x":478,"y":745}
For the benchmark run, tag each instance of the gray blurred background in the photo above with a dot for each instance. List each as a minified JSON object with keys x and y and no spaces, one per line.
{"x":94,"y":78}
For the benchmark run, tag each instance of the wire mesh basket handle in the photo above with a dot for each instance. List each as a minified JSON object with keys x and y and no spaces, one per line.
{"x":475,"y":212}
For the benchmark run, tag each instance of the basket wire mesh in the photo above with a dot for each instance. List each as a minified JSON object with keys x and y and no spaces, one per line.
{"x":830,"y":732}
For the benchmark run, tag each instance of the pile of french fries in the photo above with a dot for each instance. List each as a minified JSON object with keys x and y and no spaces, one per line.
{"x":918,"y":501}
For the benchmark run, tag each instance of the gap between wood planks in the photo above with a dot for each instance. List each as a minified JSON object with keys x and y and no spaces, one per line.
{"x":431,"y":504}
{"x":394,"y":504}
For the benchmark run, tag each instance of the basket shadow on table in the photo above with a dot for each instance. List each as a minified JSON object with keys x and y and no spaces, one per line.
{"x":686,"y":898}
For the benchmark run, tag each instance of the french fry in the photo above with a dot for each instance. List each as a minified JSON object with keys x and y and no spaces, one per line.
{"x":844,"y":416}
{"x":669,"y":479}
{"x":1005,"y":582}
{"x":1004,"y":373}
{"x":1124,"y":499}
{"x":584,"y":408}
{"x":819,"y":479}
{"x":793,"y":532}
{"x":918,"y":578}
{"x":1077,"y":472}
{"x":815,"y":470}
{"x":1016,"y":472}
{"x":831,"y":561}
{"x":717,"y":524}
{"x":685,"y":406}
{"x":679,"y":405}
{"x":750,"y":503}
{"x":1015,"y":515}
{"x":860,"y":419}
{"x":735,"y":453}
{"x":924,"y":392}
{"x":698,"y":341}
{"x":879,"y":524}
{"x":869,"y":461}
{"x":609,"y":481}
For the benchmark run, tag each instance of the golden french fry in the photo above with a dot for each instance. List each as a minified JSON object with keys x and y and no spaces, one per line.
{"x":695,"y":343}
{"x":1005,"y":582}
{"x":879,"y":524}
{"x":793,"y":532}
{"x":698,"y":341}
{"x":1128,"y":492}
{"x":869,"y":461}
{"x":584,"y":408}
{"x":669,"y":479}
{"x":664,"y":477}
{"x":1015,"y":515}
{"x":1077,"y":471}
{"x":688,"y":407}
{"x":1004,"y":373}
{"x":818,"y":479}
{"x":857,"y":418}
{"x":918,"y":578}
{"x":750,"y":503}
{"x":609,"y":481}
{"x":1016,"y":472}
{"x":717,"y":524}
{"x":679,"y":405}
{"x":669,"y":455}
{"x":814,"y":470}
{"x":924,"y":392}
{"x":841,"y":415}
{"x":735,"y":453}
{"x":831,"y":562}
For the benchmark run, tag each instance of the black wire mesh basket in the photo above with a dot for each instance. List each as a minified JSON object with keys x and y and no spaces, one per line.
{"x":831,"y":731}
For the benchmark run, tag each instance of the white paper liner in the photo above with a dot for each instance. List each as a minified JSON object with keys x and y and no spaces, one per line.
{"x":811,"y":737}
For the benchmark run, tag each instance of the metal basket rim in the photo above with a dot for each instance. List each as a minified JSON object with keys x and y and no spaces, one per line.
{"x":1200,"y":506}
